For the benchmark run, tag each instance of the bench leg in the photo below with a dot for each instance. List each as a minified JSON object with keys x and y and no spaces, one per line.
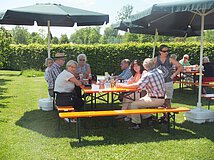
{"x":209,"y":104}
{"x":59,"y":123}
{"x":169,"y":117}
{"x":78,"y":129}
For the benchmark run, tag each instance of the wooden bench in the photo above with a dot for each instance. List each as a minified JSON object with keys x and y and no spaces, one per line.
{"x":209,"y":97}
{"x":89,"y":114}
{"x":63,"y":109}
{"x":204,"y":84}
{"x":196,"y":84}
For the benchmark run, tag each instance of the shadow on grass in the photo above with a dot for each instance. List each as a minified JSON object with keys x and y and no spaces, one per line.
{"x":3,"y":82}
{"x":121,"y":135}
{"x":99,"y":131}
{"x":43,"y":122}
{"x":187,"y":97}
{"x":204,"y":130}
{"x":2,"y":91}
{"x":3,"y":105}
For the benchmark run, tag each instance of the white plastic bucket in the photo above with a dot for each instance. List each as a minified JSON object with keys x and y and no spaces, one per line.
{"x":46,"y":104}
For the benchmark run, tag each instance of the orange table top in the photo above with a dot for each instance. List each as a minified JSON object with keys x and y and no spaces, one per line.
{"x":89,"y":90}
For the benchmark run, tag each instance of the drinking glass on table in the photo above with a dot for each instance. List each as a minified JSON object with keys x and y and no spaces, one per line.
{"x":81,"y":76}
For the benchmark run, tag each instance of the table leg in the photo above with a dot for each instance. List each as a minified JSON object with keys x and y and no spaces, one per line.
{"x":78,"y":129}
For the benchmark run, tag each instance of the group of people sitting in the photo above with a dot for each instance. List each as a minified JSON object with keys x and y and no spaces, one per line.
{"x":64,"y":86}
{"x":154,"y":76}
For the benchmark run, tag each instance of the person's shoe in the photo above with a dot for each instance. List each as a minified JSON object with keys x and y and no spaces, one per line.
{"x":120,"y":117}
{"x":126,"y":119}
{"x":134,"y":126}
{"x":71,"y":120}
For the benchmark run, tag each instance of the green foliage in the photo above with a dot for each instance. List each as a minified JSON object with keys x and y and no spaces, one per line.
{"x":5,"y":50}
{"x":36,"y":38}
{"x":63,"y":39}
{"x":101,"y":57}
{"x":130,"y":37}
{"x":109,"y":35}
{"x":87,"y":35}
{"x":209,"y":36}
{"x":55,"y":40}
{"x":30,"y":56}
{"x":20,"y":35}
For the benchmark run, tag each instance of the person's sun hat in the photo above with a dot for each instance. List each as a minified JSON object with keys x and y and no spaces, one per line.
{"x":59,"y":55}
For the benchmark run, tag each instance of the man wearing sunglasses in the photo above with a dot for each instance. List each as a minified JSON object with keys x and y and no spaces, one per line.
{"x":165,"y":63}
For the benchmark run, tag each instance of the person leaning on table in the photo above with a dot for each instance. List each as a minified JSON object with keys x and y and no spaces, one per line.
{"x":54,"y":71}
{"x":137,"y":70}
{"x":64,"y":87}
{"x":153,"y":83}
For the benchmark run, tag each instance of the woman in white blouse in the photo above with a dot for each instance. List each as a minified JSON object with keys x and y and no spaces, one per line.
{"x":65,"y":84}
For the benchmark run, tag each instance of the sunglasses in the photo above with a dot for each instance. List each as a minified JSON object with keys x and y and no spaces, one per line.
{"x":165,"y":51}
{"x":81,"y":59}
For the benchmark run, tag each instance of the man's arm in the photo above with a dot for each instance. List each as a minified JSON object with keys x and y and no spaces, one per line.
{"x":133,"y":85}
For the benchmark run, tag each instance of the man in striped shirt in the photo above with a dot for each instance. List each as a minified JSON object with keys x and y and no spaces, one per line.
{"x":54,"y":71}
{"x":153,"y":83}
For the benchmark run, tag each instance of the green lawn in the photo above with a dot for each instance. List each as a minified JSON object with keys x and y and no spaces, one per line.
{"x":29,"y":133}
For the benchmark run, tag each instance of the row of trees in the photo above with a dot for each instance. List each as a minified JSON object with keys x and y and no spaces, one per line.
{"x":92,"y":35}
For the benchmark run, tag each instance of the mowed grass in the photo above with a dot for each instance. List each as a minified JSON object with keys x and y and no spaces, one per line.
{"x":29,"y":133}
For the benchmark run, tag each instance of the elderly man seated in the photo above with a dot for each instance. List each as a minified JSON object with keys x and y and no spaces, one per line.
{"x":153,"y":83}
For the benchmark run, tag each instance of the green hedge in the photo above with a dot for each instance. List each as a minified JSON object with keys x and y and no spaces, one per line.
{"x":101,"y":57}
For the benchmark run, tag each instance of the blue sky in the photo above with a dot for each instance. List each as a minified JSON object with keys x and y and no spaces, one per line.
{"x":110,"y":7}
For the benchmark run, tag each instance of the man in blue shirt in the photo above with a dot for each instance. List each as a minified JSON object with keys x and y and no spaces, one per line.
{"x":125,"y":66}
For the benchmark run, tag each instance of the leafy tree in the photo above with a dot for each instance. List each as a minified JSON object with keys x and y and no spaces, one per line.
{"x":88,"y":35}
{"x":63,"y":39}
{"x":35,"y":38}
{"x":55,"y":40}
{"x":131,"y":37}
{"x":109,"y":36}
{"x":124,"y":13}
{"x":146,"y":38}
{"x":164,"y":38}
{"x":20,"y":35}
{"x":209,"y":35}
{"x":94,"y":35}
{"x":5,"y":40}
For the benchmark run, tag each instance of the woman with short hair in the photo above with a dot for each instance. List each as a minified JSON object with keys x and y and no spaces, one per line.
{"x":65,"y":87}
{"x":83,"y":67}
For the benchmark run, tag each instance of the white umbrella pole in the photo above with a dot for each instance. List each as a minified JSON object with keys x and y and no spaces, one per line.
{"x":155,"y":41}
{"x":201,"y":57}
{"x":49,"y":40}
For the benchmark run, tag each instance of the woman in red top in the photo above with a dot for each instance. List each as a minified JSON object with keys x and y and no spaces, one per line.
{"x":137,"y":70}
